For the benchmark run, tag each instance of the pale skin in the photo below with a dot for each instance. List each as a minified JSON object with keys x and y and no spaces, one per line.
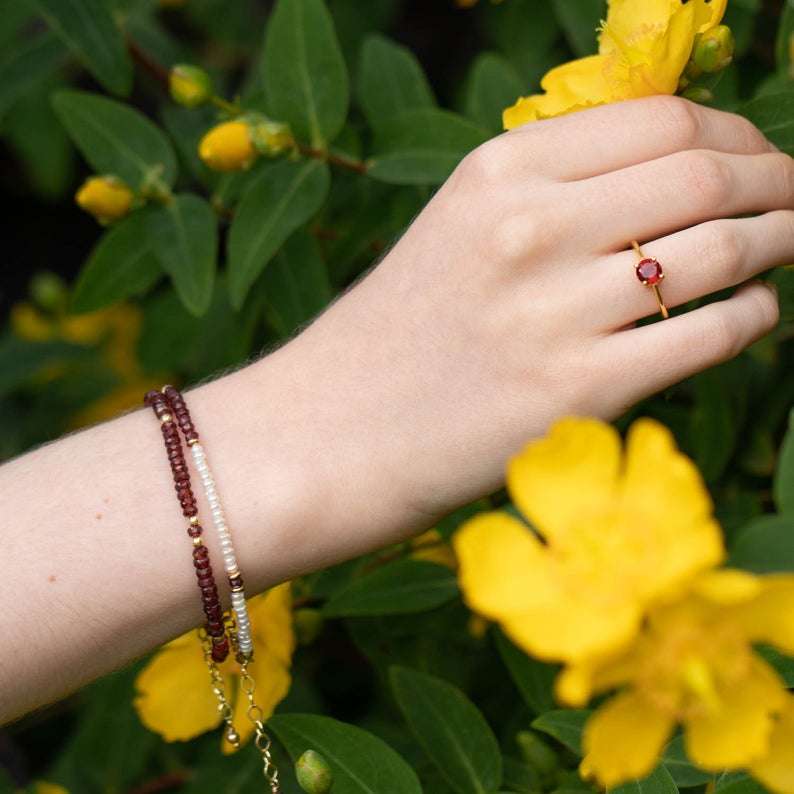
{"x":509,"y":302}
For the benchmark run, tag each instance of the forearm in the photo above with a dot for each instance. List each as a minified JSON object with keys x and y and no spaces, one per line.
{"x":96,"y":562}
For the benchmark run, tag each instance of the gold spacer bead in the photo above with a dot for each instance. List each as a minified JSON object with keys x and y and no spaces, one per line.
{"x":194,"y":520}
{"x":198,"y":542}
{"x":232,"y":574}
{"x":192,"y":441}
{"x":166,"y":418}
{"x":237,"y":590}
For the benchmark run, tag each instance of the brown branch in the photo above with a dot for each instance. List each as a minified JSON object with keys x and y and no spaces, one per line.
{"x":166,"y":782}
{"x":155,"y":69}
{"x":347,"y":163}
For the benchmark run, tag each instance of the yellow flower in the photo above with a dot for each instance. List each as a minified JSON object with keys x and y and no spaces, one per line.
{"x":694,"y":664}
{"x":107,"y":198}
{"x":776,"y":769}
{"x":228,"y":147}
{"x":174,"y":695}
{"x":28,"y":323}
{"x":644,"y":47}
{"x":619,"y":533}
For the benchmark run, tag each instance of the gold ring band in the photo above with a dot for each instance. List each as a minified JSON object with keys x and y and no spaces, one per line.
{"x":650,"y":273}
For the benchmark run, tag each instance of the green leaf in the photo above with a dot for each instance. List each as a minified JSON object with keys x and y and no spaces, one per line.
{"x":765,"y":545}
{"x":21,"y":360}
{"x":24,"y":66}
{"x":451,"y":730}
{"x":361,"y":763}
{"x":773,"y":114}
{"x":520,"y":777}
{"x":534,"y":679}
{"x":397,"y":588}
{"x":115,"y":139}
{"x":121,"y":265}
{"x":525,"y":31}
{"x":280,"y":199}
{"x":783,"y":45}
{"x":184,"y":239}
{"x":738,"y":783}
{"x":422,"y":147}
{"x":88,"y":29}
{"x":784,"y":665}
{"x":658,"y":782}
{"x":305,"y":74}
{"x":714,"y":425}
{"x":109,"y":749}
{"x":682,"y":770}
{"x":174,"y":340}
{"x":784,"y":477}
{"x":580,"y":20}
{"x":390,"y":80}
{"x":295,"y":286}
{"x":492,"y":86}
{"x":565,"y":725}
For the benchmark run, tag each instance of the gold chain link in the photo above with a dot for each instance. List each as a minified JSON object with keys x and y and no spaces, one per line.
{"x":254,"y":712}
{"x":219,"y":690}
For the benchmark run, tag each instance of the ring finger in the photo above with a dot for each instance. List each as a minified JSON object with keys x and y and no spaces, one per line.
{"x":696,"y":261}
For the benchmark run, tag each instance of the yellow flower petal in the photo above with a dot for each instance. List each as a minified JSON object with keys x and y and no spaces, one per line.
{"x":623,"y":739}
{"x":769,"y":617}
{"x":42,"y":787}
{"x":736,"y":732}
{"x":228,"y":147}
{"x":666,"y":502}
{"x":561,"y":480}
{"x":502,"y":566}
{"x":776,"y":769}
{"x":728,"y":586}
{"x":174,"y":695}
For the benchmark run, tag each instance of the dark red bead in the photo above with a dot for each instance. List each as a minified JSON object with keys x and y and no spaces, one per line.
{"x":219,"y":654}
{"x":152,"y":396}
{"x":215,"y":629}
{"x":236,"y":581}
{"x":214,"y":613}
{"x":205,"y":581}
{"x":200,"y":553}
{"x":211,"y":591}
{"x":202,"y":563}
{"x":191,"y":436}
{"x":189,"y":512}
{"x":195,"y":530}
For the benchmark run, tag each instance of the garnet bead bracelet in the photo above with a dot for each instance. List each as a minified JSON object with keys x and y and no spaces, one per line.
{"x":201,"y":557}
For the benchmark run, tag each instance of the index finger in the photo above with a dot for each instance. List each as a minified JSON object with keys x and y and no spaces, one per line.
{"x":611,"y":137}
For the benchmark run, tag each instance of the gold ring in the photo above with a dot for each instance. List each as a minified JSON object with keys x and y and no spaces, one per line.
{"x":649,"y":272}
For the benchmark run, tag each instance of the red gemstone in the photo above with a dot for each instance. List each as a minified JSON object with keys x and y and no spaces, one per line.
{"x":649,"y":271}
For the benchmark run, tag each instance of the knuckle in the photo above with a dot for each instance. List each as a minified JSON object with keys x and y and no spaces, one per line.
{"x":487,"y":164}
{"x":682,"y":119}
{"x":707,"y":178}
{"x":726,"y":248}
{"x":516,"y":236}
{"x":768,"y":308}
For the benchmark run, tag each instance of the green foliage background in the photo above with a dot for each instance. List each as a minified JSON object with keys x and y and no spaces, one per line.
{"x":237,"y":263}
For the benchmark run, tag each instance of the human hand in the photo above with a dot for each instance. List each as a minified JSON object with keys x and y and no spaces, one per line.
{"x":512,"y":300}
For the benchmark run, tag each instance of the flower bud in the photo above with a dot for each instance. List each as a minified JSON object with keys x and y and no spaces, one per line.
{"x":228,"y":147}
{"x":308,"y":624}
{"x":48,"y":291}
{"x":190,"y":85}
{"x":271,"y":138}
{"x":713,"y":50}
{"x":106,"y":197}
{"x":537,"y":754}
{"x":313,"y":773}
{"x":698,"y":94}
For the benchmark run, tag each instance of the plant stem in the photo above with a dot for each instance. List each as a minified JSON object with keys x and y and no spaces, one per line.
{"x":347,"y":163}
{"x":231,"y":108}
